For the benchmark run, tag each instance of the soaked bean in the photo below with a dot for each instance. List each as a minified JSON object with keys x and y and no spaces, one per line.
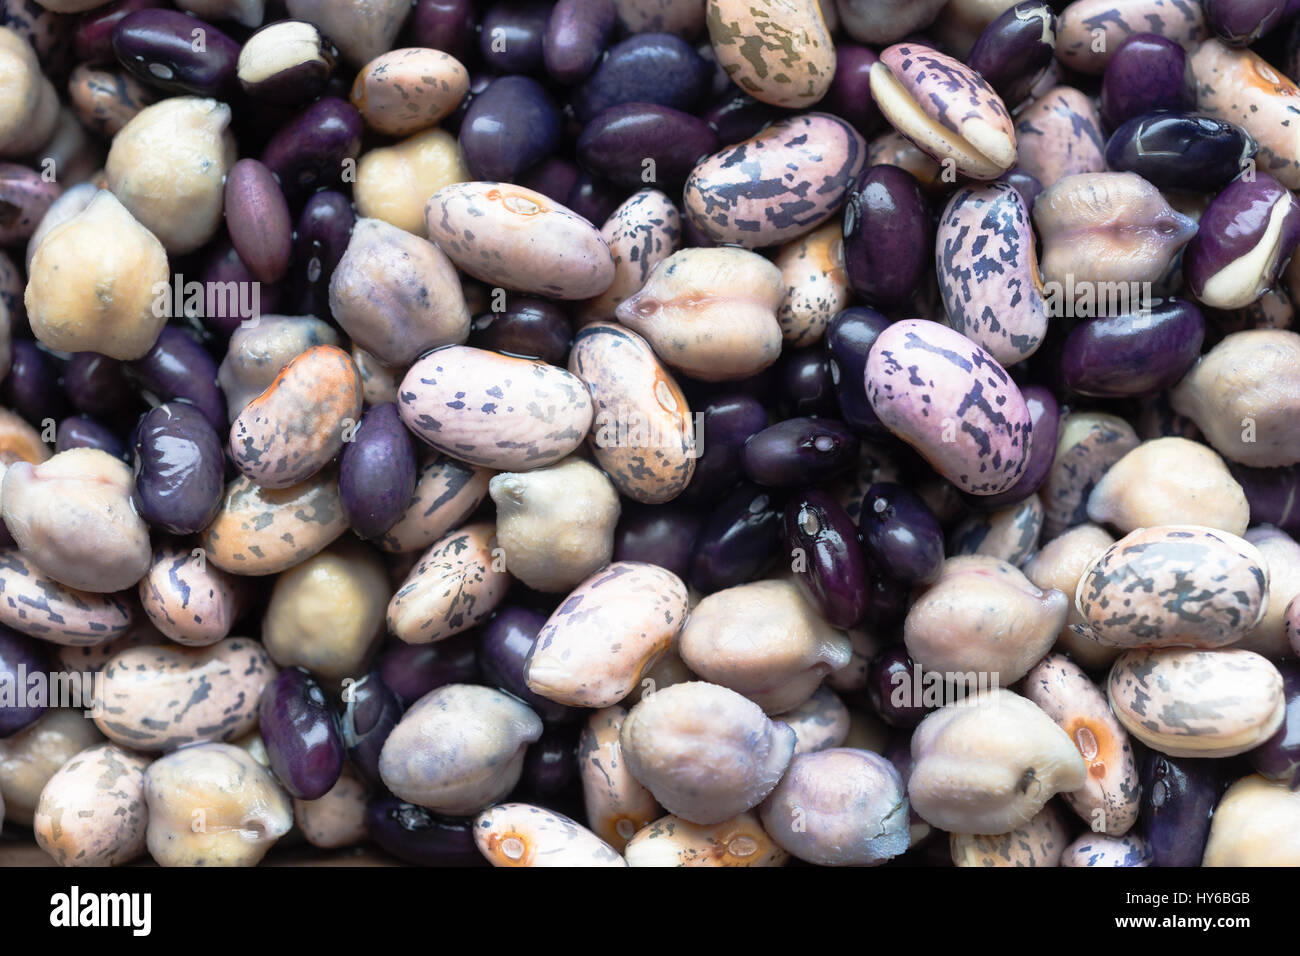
{"x":1282,"y":565}
{"x":672,"y":841}
{"x":287,"y":63}
{"x":158,"y":47}
{"x":739,"y":539}
{"x":446,"y":493}
{"x":32,"y":756}
{"x":519,"y":834}
{"x":617,"y":806}
{"x":92,"y":811}
{"x":1040,"y":841}
{"x":1059,"y":135}
{"x":640,"y":234}
{"x":1255,"y":824}
{"x":819,"y":723}
{"x":1080,"y":48}
{"x":1010,"y":534}
{"x":1060,"y":564}
{"x":1089,"y":443}
{"x":502,"y":656}
{"x":260,"y":350}
{"x":186,"y":599}
{"x":456,"y":584}
{"x":645,"y":68}
{"x":404,"y":91}
{"x":37,"y":605}
{"x":779,"y":53}
{"x":300,"y":730}
{"x":336,"y":819}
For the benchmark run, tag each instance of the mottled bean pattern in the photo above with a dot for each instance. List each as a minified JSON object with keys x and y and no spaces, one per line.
{"x":36,"y":604}
{"x":446,"y":493}
{"x":457,"y":583}
{"x":777,"y":51}
{"x":1079,"y":47}
{"x":641,"y":233}
{"x":266,"y":530}
{"x":1059,"y":135}
{"x":520,"y":834}
{"x":405,"y":91}
{"x":92,"y":812}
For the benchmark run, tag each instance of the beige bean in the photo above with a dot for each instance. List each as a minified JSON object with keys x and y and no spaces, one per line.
{"x":1060,"y":564}
{"x":187,"y":599}
{"x":1040,"y":841}
{"x":362,"y":31}
{"x":1257,"y":823}
{"x":457,"y":583}
{"x":777,"y":51}
{"x":447,"y":492}
{"x":19,"y":441}
{"x":672,"y":841}
{"x":32,"y":756}
{"x":820,"y":723}
{"x":1099,"y":849}
{"x":404,"y":91}
{"x":520,"y":834}
{"x":1282,"y":563}
{"x":816,"y":285}
{"x":338,"y":818}
{"x":852,"y":676}
{"x":259,"y":350}
{"x":378,"y":381}
{"x":72,"y":202}
{"x":92,"y":812}
{"x":618,"y":806}
{"x":394,"y":182}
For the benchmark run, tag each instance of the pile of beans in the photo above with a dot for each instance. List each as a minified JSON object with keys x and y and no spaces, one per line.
{"x":652,"y":432}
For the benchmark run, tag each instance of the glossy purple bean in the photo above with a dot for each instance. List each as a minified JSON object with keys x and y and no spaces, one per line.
{"x":511,"y":34}
{"x":528,"y":328}
{"x":662,"y":534}
{"x":159,"y":48}
{"x":1178,"y":796}
{"x":799,"y":451}
{"x":891,"y":680}
{"x":849,"y":96}
{"x":646,"y":68}
{"x":849,"y":338}
{"x":1224,"y":253}
{"x":638,"y":144}
{"x":20,"y":658}
{"x":1174,"y":150}
{"x":179,"y":369}
{"x":412,"y":670}
{"x":553,"y":178}
{"x":1133,"y":354}
{"x":503,"y":652}
{"x":307,"y":152}
{"x":1023,"y":182}
{"x":370,"y":712}
{"x":82,"y":431}
{"x":729,"y":422}
{"x":301,"y":734}
{"x":257,"y":218}
{"x":741,"y":537}
{"x":1146,"y":72}
{"x":478,"y":82}
{"x":1279,"y":756}
{"x":97,"y":385}
{"x":901,"y":533}
{"x":577,"y":33}
{"x":419,"y":836}
{"x":1273,"y":495}
{"x":737,"y":116}
{"x":551,"y":763}
{"x":824,"y":552}
{"x":1242,"y":22}
{"x":377,"y":472}
{"x":93,"y":40}
{"x":593,"y":198}
{"x":1045,"y":417}
{"x":511,"y":126}
{"x":32,"y":386}
{"x":1014,"y":49}
{"x":324,"y":227}
{"x":806,"y":384}
{"x":179,"y":468}
{"x":446,"y":25}
{"x":888,"y":236}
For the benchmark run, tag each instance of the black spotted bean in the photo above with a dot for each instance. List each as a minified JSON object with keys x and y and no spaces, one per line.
{"x":455,"y":585}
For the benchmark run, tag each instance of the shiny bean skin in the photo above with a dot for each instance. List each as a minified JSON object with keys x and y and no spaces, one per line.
{"x":446,"y":493}
{"x":1178,"y":798}
{"x":576,"y":36}
{"x":1146,"y":72}
{"x":301,"y":734}
{"x":307,"y":153}
{"x":1180,"y":150}
{"x":519,"y":834}
{"x":157,"y":46}
{"x":456,"y":584}
{"x":371,"y":711}
{"x":81,"y":431}
{"x":646,"y":68}
{"x":1014,"y":49}
{"x":419,"y":836}
{"x":286,"y":63}
{"x":177,"y":368}
{"x":509,"y":127}
{"x":1135,"y":353}
{"x":887,"y":236}
{"x":1045,"y":417}
{"x":624,"y":142}
{"x":849,"y":338}
{"x":268,"y":530}
{"x":20,"y":656}
{"x":412,"y":670}
{"x":257,"y":218}
{"x":527,"y":328}
{"x":741,"y":536}
{"x":798,"y":451}
{"x":822,"y":543}
{"x":504,"y":647}
{"x":179,"y":464}
{"x":377,"y":472}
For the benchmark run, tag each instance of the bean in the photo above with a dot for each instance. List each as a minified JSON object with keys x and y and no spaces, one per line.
{"x":377,"y":472}
{"x":1255,"y":825}
{"x":1092,"y":849}
{"x":1015,"y":49}
{"x":1278,"y":758}
{"x":641,"y":233}
{"x":1060,"y":564}
{"x":286,"y":63}
{"x":420,"y":837}
{"x":456,"y":584}
{"x":1178,"y":799}
{"x":186,"y":599}
{"x":658,"y":535}
{"x":446,"y":493}
{"x":31,"y":757}
{"x":177,"y":369}
{"x":645,"y":68}
{"x":338,"y":818}
{"x":819,"y":723}
{"x":91,"y":812}
{"x":20,"y":657}
{"x":672,"y":841}
{"x":518,"y":834}
{"x":1039,"y":842}
{"x":503,"y":652}
{"x":320,"y":240}
{"x":178,"y":469}
{"x":362,"y":32}
{"x":308,"y":152}
{"x":829,"y":565}
{"x":798,"y":451}
{"x":158,"y":47}
{"x":301,"y":733}
{"x":526,"y":328}
{"x":509,"y":127}
{"x":1146,"y":72}
{"x":370,"y":713}
{"x":625,"y":144}
{"x":1089,"y":443}
{"x":1280,"y":552}
{"x":1079,"y":48}
{"x":37,"y":605}
{"x":739,"y":539}
{"x":576,"y":36}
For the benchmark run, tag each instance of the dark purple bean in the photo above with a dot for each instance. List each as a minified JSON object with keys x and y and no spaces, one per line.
{"x":1232,"y":230}
{"x":551,"y":763}
{"x":553,"y":178}
{"x":799,"y":451}
{"x":478,"y":82}
{"x":25,"y":198}
{"x":307,"y":152}
{"x":738,"y":116}
{"x":287,"y":63}
{"x":510,"y":35}
{"x":82,"y":431}
{"x":230,"y":293}
{"x":97,"y":384}
{"x":1178,"y":797}
{"x":1014,"y":49}
{"x":446,"y":25}
{"x":324,"y":228}
{"x":901,"y":532}
{"x":412,"y":670}
{"x":1146,"y":72}
{"x":888,"y":236}
{"x":179,"y":468}
{"x":891,"y":684}
{"x":179,"y":369}
{"x":741,"y":537}
{"x":576,"y":36}
{"x":824,"y":552}
{"x":594,"y":199}
{"x":301,"y":734}
{"x":729,"y":422}
{"x":1133,"y":354}
{"x":32,"y":386}
{"x":636,"y":144}
{"x":20,"y":657}
{"x":377,"y":472}
{"x":1273,"y":495}
{"x":849,"y":338}
{"x":646,"y":68}
{"x":1279,"y":756}
{"x":1045,"y":417}
{"x":159,"y":48}
{"x":529,"y":328}
{"x":510,"y":126}
{"x":849,"y":96}
{"x":503,"y":650}
{"x":1180,"y":150}
{"x":257,"y":218}
{"x":1242,"y":22}
{"x":1023,"y":182}
{"x":807,"y":387}
{"x":419,"y":836}
{"x":663,"y":535}
{"x":93,"y":41}
{"x":371,"y":711}
{"x":890,"y":598}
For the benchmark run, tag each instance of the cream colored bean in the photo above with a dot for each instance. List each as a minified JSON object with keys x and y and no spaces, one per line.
{"x":1257,"y":823}
{"x":1169,"y":481}
{"x":72,"y":202}
{"x":595,"y":647}
{"x":1060,"y":564}
{"x":29,"y":104}
{"x":672,"y":841}
{"x":168,"y":166}
{"x":556,"y":523}
{"x":853,"y":675}
{"x":187,"y":599}
{"x":362,"y":30}
{"x":338,"y":818}
{"x":1038,"y":842}
{"x":404,"y":91}
{"x":459,"y":748}
{"x":989,"y":764}
{"x":35,"y":754}
{"x":213,"y":805}
{"x":92,"y":812}
{"x":378,"y":381}
{"x":763,"y":640}
{"x":1197,"y":703}
{"x":457,"y":583}
{"x":36,"y":604}
{"x":668,"y":670}
{"x":72,"y":516}
{"x":447,"y":492}
{"x":94,"y":283}
{"x":618,"y":807}
{"x":395,"y":182}
{"x":983,"y":616}
{"x":520,"y":834}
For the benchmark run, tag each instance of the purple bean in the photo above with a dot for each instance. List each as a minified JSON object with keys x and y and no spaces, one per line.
{"x":891,"y":678}
{"x":446,"y":25}
{"x":1146,"y":72}
{"x":528,"y":328}
{"x":377,"y":472}
{"x":511,"y":35}
{"x":301,"y":734}
{"x":1279,"y":756}
{"x":371,"y":711}
{"x":741,"y":537}
{"x":20,"y":657}
{"x":646,"y":68}
{"x":799,"y":451}
{"x":901,"y":532}
{"x":628,"y":143}
{"x":664,"y":535}
{"x":324,"y":227}
{"x":98,"y":385}
{"x":849,"y":338}
{"x":823,"y":546}
{"x":510,"y":127}
{"x":82,"y":431}
{"x":1133,"y":354}
{"x":178,"y":368}
{"x":1045,"y":417}
{"x":729,"y":422}
{"x":1178,"y":798}
{"x":308,"y":151}
{"x":888,"y":236}
{"x":412,"y":670}
{"x":419,"y":836}
{"x":849,"y":96}
{"x":159,"y":48}
{"x":576,"y":35}
{"x":503,"y":651}
{"x":179,"y":468}
{"x":257,"y":218}
{"x":1173,"y":150}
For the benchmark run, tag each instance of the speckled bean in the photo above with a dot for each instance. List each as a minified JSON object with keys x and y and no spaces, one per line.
{"x":456,"y":584}
{"x":641,"y":233}
{"x":1059,"y":135}
{"x":1009,"y":534}
{"x":190,"y":601}
{"x":1060,"y":564}
{"x":778,"y":52}
{"x":1089,"y":443}
{"x":617,"y":806}
{"x":259,"y":351}
{"x":446,"y":493}
{"x":404,"y":91}
{"x":1079,"y":46}
{"x":92,"y":812}
{"x":520,"y":834}
{"x":672,"y":841}
{"x":37,"y":605}
{"x":1037,"y":842}
{"x":32,"y":756}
